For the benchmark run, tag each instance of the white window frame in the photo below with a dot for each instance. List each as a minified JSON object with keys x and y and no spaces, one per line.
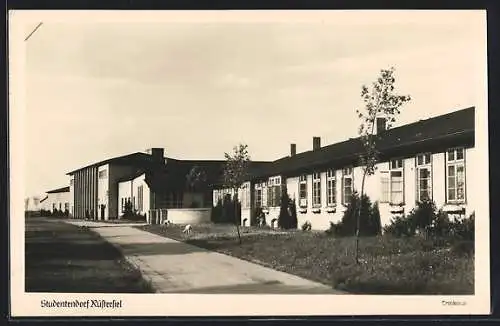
{"x":245,"y":196}
{"x":453,"y":161}
{"x":385,"y":187}
{"x":215,"y":197}
{"x":316,"y":189}
{"x":265,"y":194}
{"x":423,"y":161}
{"x":258,"y":198}
{"x":242,"y":197}
{"x":303,"y":199}
{"x":248,"y":196}
{"x":396,"y":166}
{"x":347,"y":173}
{"x":331,"y":191}
{"x":140,"y":198}
{"x":274,"y":191}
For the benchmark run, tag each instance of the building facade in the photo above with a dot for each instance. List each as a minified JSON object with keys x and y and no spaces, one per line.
{"x":148,"y":180}
{"x":134,"y":189}
{"x":429,"y":159}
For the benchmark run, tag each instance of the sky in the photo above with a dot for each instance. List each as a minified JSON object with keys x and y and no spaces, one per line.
{"x":98,"y":89}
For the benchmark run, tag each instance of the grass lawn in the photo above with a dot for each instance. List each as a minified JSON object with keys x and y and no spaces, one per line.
{"x":388,"y":265}
{"x":61,"y":257}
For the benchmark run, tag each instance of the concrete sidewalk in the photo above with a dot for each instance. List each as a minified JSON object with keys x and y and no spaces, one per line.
{"x":176,"y":267}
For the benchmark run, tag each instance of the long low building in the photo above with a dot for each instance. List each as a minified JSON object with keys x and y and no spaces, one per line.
{"x":433,"y":158}
{"x":56,"y":200}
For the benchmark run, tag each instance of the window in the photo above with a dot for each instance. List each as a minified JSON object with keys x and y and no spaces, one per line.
{"x":140,"y":198}
{"x":396,"y":182}
{"x":258,"y":195}
{"x":330,"y":188}
{"x":178,"y":199}
{"x":424,"y":177}
{"x":347,"y":185}
{"x":245,"y":196}
{"x":265,"y":194}
{"x":316,"y":183}
{"x":53,"y":206}
{"x":174,"y":200}
{"x":303,"y":191}
{"x":385,"y":187}
{"x":71,"y":181}
{"x":396,"y":164}
{"x":60,"y":206}
{"x":455,"y":175}
{"x":274,"y":192}
{"x":123,"y":204}
{"x":66,"y":207}
{"x":103,"y":174}
{"x":134,"y":202}
{"x":216,"y":197}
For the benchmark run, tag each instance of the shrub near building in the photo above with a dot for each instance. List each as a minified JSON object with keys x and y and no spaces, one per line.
{"x":288,"y":212}
{"x":225,"y":211}
{"x":130,"y":213}
{"x":427,"y":221}
{"x":369,"y":224}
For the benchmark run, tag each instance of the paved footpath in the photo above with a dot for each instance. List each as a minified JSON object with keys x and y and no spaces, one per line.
{"x":176,"y":267}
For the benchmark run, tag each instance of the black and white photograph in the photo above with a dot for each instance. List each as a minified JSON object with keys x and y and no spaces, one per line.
{"x":249,"y":163}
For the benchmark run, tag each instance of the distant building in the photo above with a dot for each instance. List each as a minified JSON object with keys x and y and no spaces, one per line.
{"x":33,"y":204}
{"x":57,"y":199}
{"x":433,"y":158}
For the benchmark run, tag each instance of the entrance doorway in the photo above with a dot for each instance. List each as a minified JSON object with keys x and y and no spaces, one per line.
{"x":103,"y":208}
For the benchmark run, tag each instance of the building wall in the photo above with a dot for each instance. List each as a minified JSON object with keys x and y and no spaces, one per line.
{"x":57,"y":200}
{"x":85,"y":193}
{"x":130,"y":190}
{"x":320,"y":217}
{"x":124,"y":194}
{"x":103,"y":192}
{"x":71,"y":195}
{"x":188,"y":215}
{"x":115,"y":172}
{"x":136,"y":183}
{"x":246,"y":208}
{"x":471,"y":182}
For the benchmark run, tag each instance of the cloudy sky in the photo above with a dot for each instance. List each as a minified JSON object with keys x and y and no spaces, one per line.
{"x":197,"y":87}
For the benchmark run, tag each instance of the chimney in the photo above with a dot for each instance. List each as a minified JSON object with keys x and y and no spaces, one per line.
{"x":157,"y":154}
{"x":293,"y":149}
{"x":381,"y":125}
{"x":316,"y":143}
